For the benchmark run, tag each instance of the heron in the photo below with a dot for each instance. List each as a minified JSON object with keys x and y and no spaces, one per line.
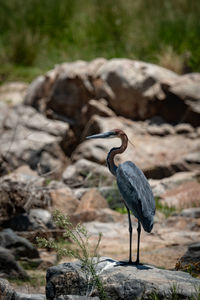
{"x":134,"y":188}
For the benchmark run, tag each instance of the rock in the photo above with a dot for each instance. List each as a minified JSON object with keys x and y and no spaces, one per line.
{"x":193,"y":212}
{"x":9,"y":267}
{"x":161,"y":130}
{"x":19,"y":193}
{"x":94,"y":207}
{"x":187,"y":88}
{"x":157,"y":157}
{"x":192,"y":255}
{"x":65,"y":89}
{"x":184,"y":196}
{"x":19,"y":246}
{"x":64,"y":200}
{"x":161,"y":186}
{"x":35,"y":219}
{"x":95,"y":107}
{"x":13,"y":93}
{"x":184,"y":128}
{"x":132,"y":88}
{"x":119,"y":282}
{"x":27,"y":137}
{"x":193,"y":158}
{"x":23,"y":296}
{"x":92,"y":200}
{"x":86,"y":173}
{"x":41,"y":218}
{"x":6,"y":291}
{"x":39,"y":89}
{"x":104,"y":215}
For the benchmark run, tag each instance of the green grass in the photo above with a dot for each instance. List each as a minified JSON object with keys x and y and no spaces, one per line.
{"x":36,"y":34}
{"x":164,"y":208}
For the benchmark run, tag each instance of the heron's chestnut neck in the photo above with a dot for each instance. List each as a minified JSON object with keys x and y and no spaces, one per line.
{"x":116,"y":150}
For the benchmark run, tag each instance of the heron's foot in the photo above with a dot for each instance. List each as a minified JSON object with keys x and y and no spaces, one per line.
{"x":128,"y":263}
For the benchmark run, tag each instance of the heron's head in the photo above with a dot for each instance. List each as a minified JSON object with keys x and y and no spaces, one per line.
{"x":108,"y":135}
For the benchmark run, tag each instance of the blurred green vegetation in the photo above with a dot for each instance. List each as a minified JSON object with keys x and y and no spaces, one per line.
{"x":36,"y":34}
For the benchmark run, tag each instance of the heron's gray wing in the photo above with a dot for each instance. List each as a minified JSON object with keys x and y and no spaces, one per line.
{"x":135,"y":190}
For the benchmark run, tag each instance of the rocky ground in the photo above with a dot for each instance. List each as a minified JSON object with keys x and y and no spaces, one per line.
{"x":46,"y":163}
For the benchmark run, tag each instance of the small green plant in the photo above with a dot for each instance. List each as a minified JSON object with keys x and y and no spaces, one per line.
{"x":79,"y":249}
{"x":193,"y":268}
{"x":35,"y":280}
{"x":164,"y":208}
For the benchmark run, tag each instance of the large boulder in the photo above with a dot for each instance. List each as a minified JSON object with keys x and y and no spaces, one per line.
{"x":119,"y":282}
{"x":157,"y":156}
{"x":27,"y":137}
{"x":64,"y":90}
{"x":133,"y":89}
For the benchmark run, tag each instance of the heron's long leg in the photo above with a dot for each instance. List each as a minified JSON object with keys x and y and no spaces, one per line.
{"x":130,"y":231}
{"x":138,"y":245}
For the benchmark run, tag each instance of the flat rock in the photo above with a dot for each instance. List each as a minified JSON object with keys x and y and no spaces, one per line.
{"x":23,"y":296}
{"x":119,"y":282}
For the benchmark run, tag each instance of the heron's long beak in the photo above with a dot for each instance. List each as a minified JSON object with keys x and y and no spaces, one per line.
{"x":104,"y":135}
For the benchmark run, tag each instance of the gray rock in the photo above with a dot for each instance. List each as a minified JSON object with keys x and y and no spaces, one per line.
{"x":19,"y":246}
{"x":9,"y":267}
{"x":119,"y":282}
{"x":41,"y":217}
{"x":77,"y":297}
{"x":192,"y":255}
{"x":20,"y":192}
{"x":6,"y":291}
{"x":193,"y":212}
{"x":22,"y":296}
{"x":27,"y":137}
{"x":87,"y":174}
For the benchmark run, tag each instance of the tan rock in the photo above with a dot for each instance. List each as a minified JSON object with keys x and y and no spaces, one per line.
{"x":92,"y":200}
{"x":26,"y":170}
{"x":104,"y":215}
{"x":184,"y":196}
{"x":64,"y":200}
